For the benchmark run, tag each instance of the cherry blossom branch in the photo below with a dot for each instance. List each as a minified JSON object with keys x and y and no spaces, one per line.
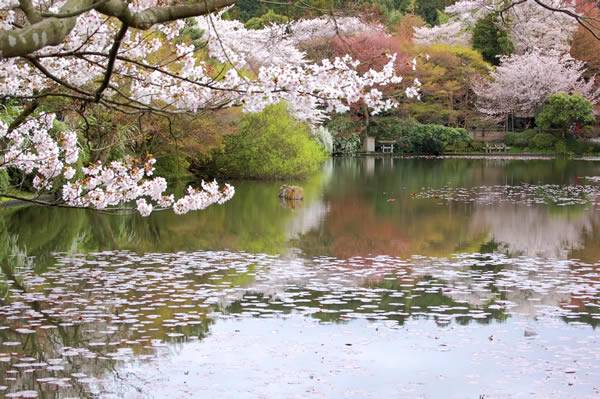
{"x":580,"y":20}
{"x":52,"y":31}
{"x":111,"y":61}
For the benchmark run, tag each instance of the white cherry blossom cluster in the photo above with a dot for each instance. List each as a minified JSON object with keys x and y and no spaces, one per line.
{"x":155,"y":69}
{"x":119,"y":182}
{"x":196,"y":199}
{"x":530,"y":26}
{"x":311,"y":90}
{"x":283,"y":73}
{"x":32,"y":149}
{"x":276,"y":44}
{"x":453,"y":33}
{"x":522,"y":83}
{"x":315,"y":90}
{"x":534,"y":28}
{"x":7,"y":14}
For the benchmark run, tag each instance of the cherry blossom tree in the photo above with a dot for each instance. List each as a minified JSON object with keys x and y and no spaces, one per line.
{"x":532,"y":24}
{"x":521,"y":84}
{"x":132,"y":57}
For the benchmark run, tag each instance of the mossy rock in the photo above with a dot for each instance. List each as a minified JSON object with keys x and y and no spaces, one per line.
{"x":291,"y":193}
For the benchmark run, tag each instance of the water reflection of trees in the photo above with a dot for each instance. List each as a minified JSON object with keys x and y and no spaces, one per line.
{"x":364,"y":210}
{"x":254,"y":221}
{"x":372,"y":210}
{"x":537,"y":231}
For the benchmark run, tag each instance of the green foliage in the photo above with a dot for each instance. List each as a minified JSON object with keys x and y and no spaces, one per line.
{"x":346,"y":137}
{"x":346,"y":145}
{"x":517,"y":139}
{"x":534,"y":140}
{"x":424,"y":142}
{"x":446,"y":94}
{"x":268,"y":18}
{"x":428,"y":10}
{"x":390,"y":128}
{"x":431,"y":112}
{"x":491,"y":40}
{"x":562,"y":111}
{"x":543,"y":141}
{"x":270,"y":144}
{"x":172,"y":166}
{"x":425,"y":136}
{"x":191,"y":32}
{"x":4,"y":180}
{"x":8,"y":112}
{"x":418,"y":138}
{"x":245,"y":10}
{"x":392,"y":10}
{"x":579,"y":147}
{"x":442,"y":17}
{"x":561,"y":148}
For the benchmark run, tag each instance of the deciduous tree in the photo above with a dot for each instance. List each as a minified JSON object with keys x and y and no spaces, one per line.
{"x":135,"y":58}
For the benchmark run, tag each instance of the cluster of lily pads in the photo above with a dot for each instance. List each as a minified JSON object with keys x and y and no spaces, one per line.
{"x":528,"y":194}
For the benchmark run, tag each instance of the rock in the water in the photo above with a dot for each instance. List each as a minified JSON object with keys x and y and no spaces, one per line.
{"x":530,"y":333}
{"x":295,"y":193}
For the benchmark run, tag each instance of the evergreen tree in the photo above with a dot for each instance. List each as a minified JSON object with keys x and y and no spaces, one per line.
{"x":491,"y":40}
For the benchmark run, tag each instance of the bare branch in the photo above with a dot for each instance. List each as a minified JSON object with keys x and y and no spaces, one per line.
{"x":52,"y":31}
{"x":157,"y":15}
{"x":112,"y":55}
{"x":30,"y":12}
{"x":28,"y":110}
{"x":580,"y":19}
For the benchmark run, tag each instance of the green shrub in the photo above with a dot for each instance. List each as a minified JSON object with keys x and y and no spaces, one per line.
{"x":590,"y":131}
{"x":576,"y":146}
{"x":561,"y":148}
{"x":268,"y":18}
{"x":347,"y":144}
{"x":345,"y":132}
{"x":270,"y":144}
{"x":4,"y":180}
{"x":562,"y":111}
{"x":172,"y":166}
{"x":390,"y":128}
{"x":428,"y":9}
{"x":426,"y":142}
{"x":515,"y":139}
{"x":436,"y":139}
{"x":543,"y":141}
{"x":477,"y":146}
{"x":451,"y":138}
{"x":415,"y":137}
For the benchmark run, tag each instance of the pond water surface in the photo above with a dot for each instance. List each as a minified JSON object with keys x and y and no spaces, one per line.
{"x":403,"y":278}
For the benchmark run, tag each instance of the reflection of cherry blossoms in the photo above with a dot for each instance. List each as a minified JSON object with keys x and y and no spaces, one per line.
{"x":531,"y":231}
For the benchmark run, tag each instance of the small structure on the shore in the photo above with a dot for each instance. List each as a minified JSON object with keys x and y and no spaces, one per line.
{"x":291,"y":193}
{"x":368,"y":144}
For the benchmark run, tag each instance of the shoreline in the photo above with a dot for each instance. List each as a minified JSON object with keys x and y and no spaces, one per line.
{"x":522,"y":156}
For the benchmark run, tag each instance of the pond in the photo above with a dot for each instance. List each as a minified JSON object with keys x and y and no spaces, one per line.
{"x":453,"y":278}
